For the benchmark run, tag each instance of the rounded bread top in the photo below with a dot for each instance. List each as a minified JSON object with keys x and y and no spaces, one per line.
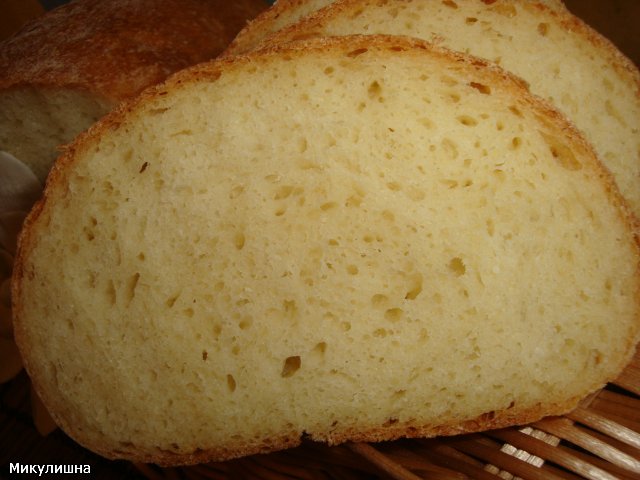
{"x":116,"y":48}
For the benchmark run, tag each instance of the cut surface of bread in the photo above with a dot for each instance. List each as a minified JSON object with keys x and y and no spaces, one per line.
{"x":384,"y":239}
{"x":285,"y":13}
{"x":66,"y":69}
{"x":562,"y":59}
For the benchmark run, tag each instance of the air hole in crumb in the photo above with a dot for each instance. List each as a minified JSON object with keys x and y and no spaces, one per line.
{"x":171,"y":301}
{"x":205,"y":354}
{"x":415,"y":287}
{"x":562,"y":153}
{"x":454,"y":97}
{"x":467,"y":120}
{"x":380,"y":333}
{"x":596,"y":356}
{"x":291,"y":366}
{"x":352,"y":269}
{"x":490,"y":227}
{"x":328,"y":206}
{"x":394,"y":186}
{"x":357,"y":52}
{"x":238,"y":240}
{"x":398,"y":394}
{"x":457,"y":266}
{"x":515,"y":143}
{"x":290,"y":308}
{"x":481,"y":87}
{"x":470,"y":20}
{"x":246,"y":323}
{"x":393,"y":314}
{"x":543,"y":29}
{"x":416,"y":195}
{"x":450,"y":3}
{"x":131,"y":287}
{"x":283,"y":191}
{"x":231,"y":383}
{"x":353,"y":201}
{"x":379,"y":300}
{"x":320,"y":347}
{"x":111,"y":292}
{"x":516,"y":111}
{"x":388,"y":216}
{"x":217,"y":330}
{"x":236,"y":191}
{"x":450,"y":147}
{"x":374,"y":90}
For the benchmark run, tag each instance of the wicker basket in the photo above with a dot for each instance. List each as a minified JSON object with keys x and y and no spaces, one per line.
{"x":599,"y":440}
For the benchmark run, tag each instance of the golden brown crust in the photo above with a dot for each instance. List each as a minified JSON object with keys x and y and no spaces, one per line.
{"x":266,"y":22}
{"x":390,"y":431}
{"x":210,"y":72}
{"x":116,"y":48}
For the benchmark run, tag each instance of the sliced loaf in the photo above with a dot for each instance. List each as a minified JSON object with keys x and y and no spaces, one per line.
{"x":345,"y":239}
{"x":287,"y":12}
{"x":561,"y":58}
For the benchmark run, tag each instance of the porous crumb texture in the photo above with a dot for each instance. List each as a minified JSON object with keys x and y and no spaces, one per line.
{"x":350,"y":238}
{"x":70,"y":66}
{"x":284,"y":13}
{"x":280,"y":15}
{"x":562,"y":59}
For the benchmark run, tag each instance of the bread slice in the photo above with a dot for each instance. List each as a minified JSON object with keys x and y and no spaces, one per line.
{"x":69,"y":67}
{"x":562,"y":59}
{"x":384,"y":239}
{"x":287,"y":12}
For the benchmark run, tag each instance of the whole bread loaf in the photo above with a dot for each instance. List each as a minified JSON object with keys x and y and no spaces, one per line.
{"x":561,"y":58}
{"x":345,"y":239}
{"x":284,"y":13}
{"x":69,"y":67}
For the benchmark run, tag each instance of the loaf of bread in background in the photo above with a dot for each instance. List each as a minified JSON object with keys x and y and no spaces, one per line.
{"x":284,"y":13}
{"x":385,"y":239}
{"x":67,"y":68}
{"x":561,"y":58}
